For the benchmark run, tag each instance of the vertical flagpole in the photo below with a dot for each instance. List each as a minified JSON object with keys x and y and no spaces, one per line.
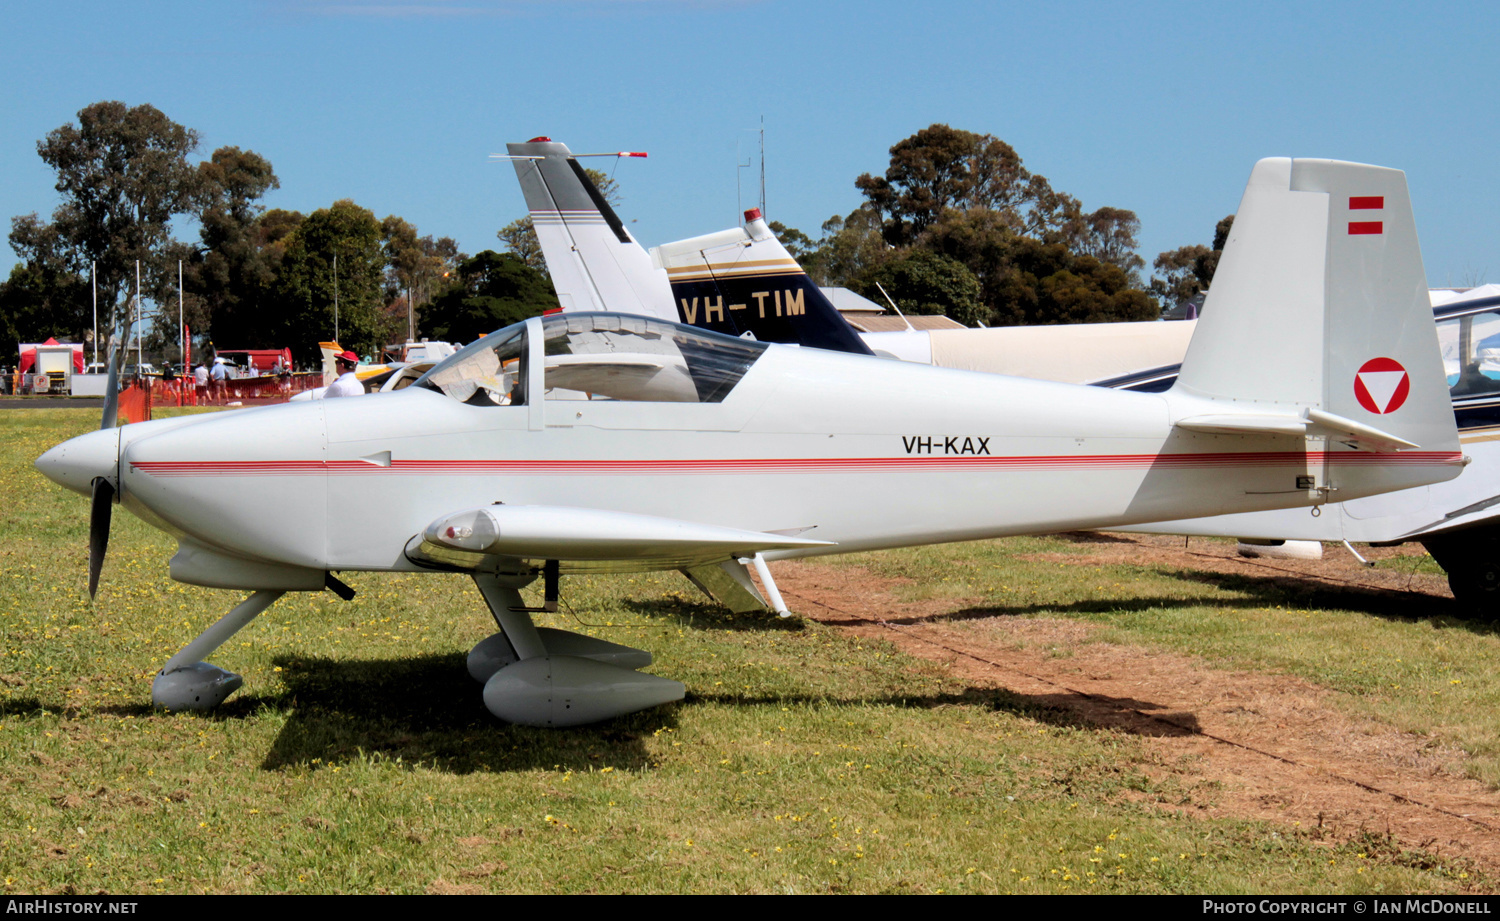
{"x":138,"y":350}
{"x":179,"y":311}
{"x":94,"y":283}
{"x":335,"y":297}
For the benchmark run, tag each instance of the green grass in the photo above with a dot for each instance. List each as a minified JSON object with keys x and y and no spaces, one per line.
{"x":359,"y":756}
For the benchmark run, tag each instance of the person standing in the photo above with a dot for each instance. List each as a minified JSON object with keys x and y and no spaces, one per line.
{"x":216,"y":378}
{"x":348,"y":384}
{"x":200,"y":384}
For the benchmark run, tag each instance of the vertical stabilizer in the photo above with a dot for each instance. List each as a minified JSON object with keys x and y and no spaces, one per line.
{"x":740,"y":281}
{"x":744,"y":282}
{"x":594,"y":261}
{"x":1319,"y":308}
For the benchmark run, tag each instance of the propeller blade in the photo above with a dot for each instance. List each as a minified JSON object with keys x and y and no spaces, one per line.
{"x":99,"y":512}
{"x":115,"y":358}
{"x":111,"y":394}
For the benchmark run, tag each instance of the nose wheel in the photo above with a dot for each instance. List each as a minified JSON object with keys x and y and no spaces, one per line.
{"x":188,"y":683}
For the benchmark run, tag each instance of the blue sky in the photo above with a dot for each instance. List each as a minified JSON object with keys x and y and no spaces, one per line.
{"x":1157,"y":107}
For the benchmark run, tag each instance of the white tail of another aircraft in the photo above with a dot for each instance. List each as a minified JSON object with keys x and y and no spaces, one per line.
{"x":740,"y":281}
{"x":1319,"y":320}
{"x":594,"y":261}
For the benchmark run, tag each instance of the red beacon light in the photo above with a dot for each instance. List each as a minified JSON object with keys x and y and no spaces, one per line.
{"x":752,"y":215}
{"x":539,"y":140}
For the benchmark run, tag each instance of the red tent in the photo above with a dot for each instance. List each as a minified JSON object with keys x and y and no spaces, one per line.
{"x":28,"y":354}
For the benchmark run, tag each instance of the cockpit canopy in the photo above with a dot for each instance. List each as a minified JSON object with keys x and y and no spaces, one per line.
{"x":597,"y":356}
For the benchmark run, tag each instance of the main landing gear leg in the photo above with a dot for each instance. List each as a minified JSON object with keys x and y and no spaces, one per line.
{"x":540,"y":676}
{"x":188,"y":683}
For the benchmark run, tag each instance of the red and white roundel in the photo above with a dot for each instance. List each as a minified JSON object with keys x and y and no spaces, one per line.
{"x":1381,"y":385}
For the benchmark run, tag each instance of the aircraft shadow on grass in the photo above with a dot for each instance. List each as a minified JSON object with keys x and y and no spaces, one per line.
{"x":1253,"y":592}
{"x":424,"y":711}
{"x":702,"y":615}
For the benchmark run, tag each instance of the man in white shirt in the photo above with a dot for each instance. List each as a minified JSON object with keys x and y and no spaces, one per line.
{"x":216,"y":377}
{"x":347,"y":385}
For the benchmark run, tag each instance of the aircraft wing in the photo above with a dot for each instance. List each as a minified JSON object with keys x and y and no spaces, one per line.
{"x":628,"y":376}
{"x":586,"y":540}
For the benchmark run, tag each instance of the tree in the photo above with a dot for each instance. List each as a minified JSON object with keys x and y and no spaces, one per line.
{"x":1107,"y":234}
{"x":493,"y":290}
{"x":1183,"y":275}
{"x":798,"y":244}
{"x":123,"y":174}
{"x":302,"y":298}
{"x":37,"y":302}
{"x":1047,"y":283}
{"x":519,"y":236}
{"x":417,"y":268}
{"x":923,"y":282}
{"x":941,"y":168}
{"x":849,"y":247}
{"x":1037,"y":255}
{"x":1027,"y":281}
{"x":230,"y":276}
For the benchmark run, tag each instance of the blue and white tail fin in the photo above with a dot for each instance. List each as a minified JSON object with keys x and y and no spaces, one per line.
{"x":1318,"y":321}
{"x":594,"y":261}
{"x":740,"y":281}
{"x":744,"y":282}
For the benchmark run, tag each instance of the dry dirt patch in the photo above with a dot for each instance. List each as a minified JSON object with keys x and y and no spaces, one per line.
{"x":1248,"y":745}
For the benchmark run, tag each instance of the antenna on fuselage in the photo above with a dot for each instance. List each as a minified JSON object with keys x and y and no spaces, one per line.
{"x":909,"y":327}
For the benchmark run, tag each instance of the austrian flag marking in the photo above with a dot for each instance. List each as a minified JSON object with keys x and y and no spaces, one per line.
{"x":1366,"y":203}
{"x":1381,"y":385}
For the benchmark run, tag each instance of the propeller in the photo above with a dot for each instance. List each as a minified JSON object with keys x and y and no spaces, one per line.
{"x":100,"y":507}
{"x":101,"y":503}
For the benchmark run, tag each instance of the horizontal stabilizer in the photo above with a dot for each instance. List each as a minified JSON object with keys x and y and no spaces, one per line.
{"x":1354,"y":434}
{"x":1311,"y":422}
{"x":1245,"y":424}
{"x":590,"y":536}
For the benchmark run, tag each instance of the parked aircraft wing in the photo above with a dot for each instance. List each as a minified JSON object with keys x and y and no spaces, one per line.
{"x":588,"y":539}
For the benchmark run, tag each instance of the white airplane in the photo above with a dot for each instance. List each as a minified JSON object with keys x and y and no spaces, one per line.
{"x":595,"y":262}
{"x":586,"y":442}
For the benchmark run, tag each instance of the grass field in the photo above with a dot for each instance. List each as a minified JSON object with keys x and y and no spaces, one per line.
{"x":359,"y":756}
